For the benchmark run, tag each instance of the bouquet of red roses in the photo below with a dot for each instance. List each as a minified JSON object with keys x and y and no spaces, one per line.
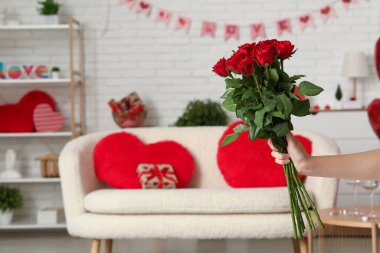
{"x":264,"y":96}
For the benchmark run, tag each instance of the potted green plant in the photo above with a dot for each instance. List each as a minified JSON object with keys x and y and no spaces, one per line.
{"x":202,"y":113}
{"x":55,"y":73}
{"x":338,"y":96}
{"x":10,"y":200}
{"x":49,"y":9}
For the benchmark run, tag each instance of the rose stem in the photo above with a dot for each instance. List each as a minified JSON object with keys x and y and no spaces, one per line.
{"x":309,"y":199}
{"x":286,"y":168}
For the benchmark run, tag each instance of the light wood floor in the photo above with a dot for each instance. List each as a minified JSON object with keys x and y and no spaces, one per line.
{"x":59,"y":242}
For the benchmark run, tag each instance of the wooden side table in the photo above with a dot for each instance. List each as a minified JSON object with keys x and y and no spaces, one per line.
{"x":333,"y":218}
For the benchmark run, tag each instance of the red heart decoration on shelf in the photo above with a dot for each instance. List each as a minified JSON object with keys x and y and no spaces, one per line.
{"x":118,"y":155}
{"x":46,"y":120}
{"x":144,"y":5}
{"x":373,"y":111}
{"x":325,"y":10}
{"x":304,"y":19}
{"x":246,"y":163}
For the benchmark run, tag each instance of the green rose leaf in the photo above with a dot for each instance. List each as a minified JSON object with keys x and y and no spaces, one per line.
{"x":259,"y":118}
{"x":294,"y":78}
{"x":287,"y":103}
{"x":229,"y":93}
{"x":229,"y":139}
{"x":229,"y":105}
{"x":274,"y":75}
{"x":281,"y":129}
{"x":278,"y":114}
{"x":301,"y":108}
{"x":309,"y":89}
{"x":269,"y":104}
{"x":233,"y":83}
{"x":249,"y":94}
{"x":240,"y":128}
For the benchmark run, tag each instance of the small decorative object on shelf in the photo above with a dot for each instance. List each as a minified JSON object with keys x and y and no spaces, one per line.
{"x":10,"y":200}
{"x":49,"y":165}
{"x":10,"y":171}
{"x":262,"y":94}
{"x":355,"y":66}
{"x":157,"y":176}
{"x":48,"y":216}
{"x":202,"y":113}
{"x":129,"y":111}
{"x":338,"y":96}
{"x":55,"y":73}
{"x":327,"y":107}
{"x":23,"y":71}
{"x":373,"y":110}
{"x":49,"y":9}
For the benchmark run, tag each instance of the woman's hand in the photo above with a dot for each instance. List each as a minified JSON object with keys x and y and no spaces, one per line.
{"x":296,"y":152}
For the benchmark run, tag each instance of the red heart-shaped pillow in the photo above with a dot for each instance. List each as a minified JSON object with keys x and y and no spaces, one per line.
{"x":117,"y":156}
{"x":246,"y":163}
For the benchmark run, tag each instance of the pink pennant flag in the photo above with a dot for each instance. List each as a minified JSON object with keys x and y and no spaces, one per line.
{"x":306,"y":21}
{"x":284,"y":25}
{"x":144,"y":7}
{"x":257,"y":30}
{"x":182,"y":23}
{"x":231,"y":31}
{"x":163,"y":16}
{"x":347,"y":3}
{"x":129,"y":3}
{"x":208,"y":28}
{"x":327,"y":12}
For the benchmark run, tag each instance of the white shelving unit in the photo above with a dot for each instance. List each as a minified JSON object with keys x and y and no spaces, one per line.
{"x":36,"y":134}
{"x":75,"y":86}
{"x":30,"y":223}
{"x":34,"y":27}
{"x":30,"y":180}
{"x":11,"y":82}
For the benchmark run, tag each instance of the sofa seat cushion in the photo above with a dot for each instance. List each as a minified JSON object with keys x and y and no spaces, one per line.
{"x":188,"y":201}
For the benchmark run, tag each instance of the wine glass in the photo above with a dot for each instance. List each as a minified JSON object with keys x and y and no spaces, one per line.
{"x":355,"y":184}
{"x":372,"y":186}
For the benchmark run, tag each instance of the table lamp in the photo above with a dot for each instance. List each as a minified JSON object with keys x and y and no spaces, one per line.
{"x":355,"y":66}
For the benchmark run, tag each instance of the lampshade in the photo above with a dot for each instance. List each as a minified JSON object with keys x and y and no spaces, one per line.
{"x":355,"y":65}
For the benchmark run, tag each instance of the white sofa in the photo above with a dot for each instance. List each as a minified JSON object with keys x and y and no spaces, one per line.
{"x":208,"y":208}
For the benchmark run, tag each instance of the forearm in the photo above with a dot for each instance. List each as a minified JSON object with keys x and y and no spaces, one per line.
{"x":365,"y":165}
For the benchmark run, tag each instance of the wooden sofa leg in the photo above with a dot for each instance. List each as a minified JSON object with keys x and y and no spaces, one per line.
{"x":300,"y":245}
{"x":95,"y":246}
{"x":108,"y":245}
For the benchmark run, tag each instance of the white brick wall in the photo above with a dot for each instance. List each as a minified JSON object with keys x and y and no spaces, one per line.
{"x":168,"y":68}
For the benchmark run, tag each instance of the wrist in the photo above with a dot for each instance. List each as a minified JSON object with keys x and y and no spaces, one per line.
{"x":306,"y":165}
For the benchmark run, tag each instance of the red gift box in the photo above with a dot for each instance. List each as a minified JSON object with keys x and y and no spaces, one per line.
{"x":157,"y":176}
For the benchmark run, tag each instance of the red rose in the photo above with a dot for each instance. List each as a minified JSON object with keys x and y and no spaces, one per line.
{"x":220,"y":68}
{"x":240,"y":63}
{"x":247,"y":48}
{"x":284,"y":49}
{"x":264,"y":52}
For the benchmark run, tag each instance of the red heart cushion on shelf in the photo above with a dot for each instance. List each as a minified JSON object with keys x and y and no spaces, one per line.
{"x":18,"y":117}
{"x":46,"y":120}
{"x":246,"y":163}
{"x":118,"y":155}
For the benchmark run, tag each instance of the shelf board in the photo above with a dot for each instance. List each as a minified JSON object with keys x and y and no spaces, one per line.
{"x":27,"y":223}
{"x":34,"y":27}
{"x":339,"y":110}
{"x":36,"y":134}
{"x":64,"y":81}
{"x":30,"y":180}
